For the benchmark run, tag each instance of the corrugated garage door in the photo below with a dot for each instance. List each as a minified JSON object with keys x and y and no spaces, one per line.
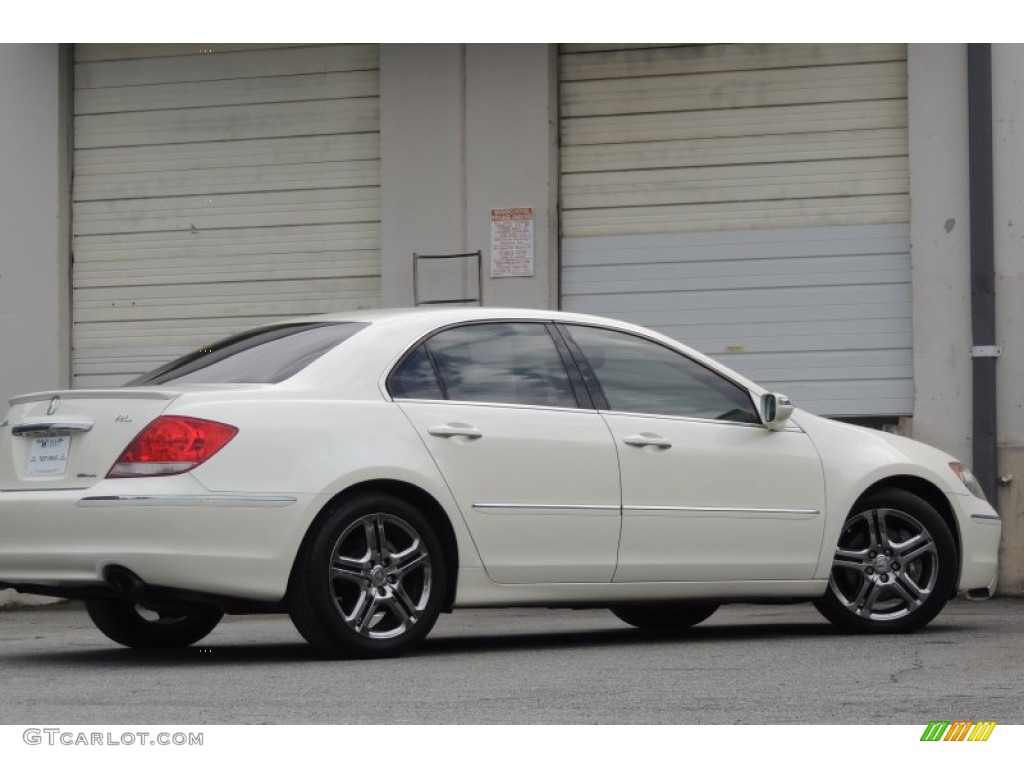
{"x":752,"y":201}
{"x":216,"y":187}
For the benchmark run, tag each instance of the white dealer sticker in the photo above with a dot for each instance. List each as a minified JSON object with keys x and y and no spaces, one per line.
{"x":48,"y":456}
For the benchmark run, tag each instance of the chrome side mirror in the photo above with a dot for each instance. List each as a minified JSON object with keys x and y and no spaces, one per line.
{"x":775,"y":410}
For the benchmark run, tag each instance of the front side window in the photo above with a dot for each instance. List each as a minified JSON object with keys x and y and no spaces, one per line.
{"x":637,"y":375}
{"x":261,"y":356}
{"x":514,"y":363}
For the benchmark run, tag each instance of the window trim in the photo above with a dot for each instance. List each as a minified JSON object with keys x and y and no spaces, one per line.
{"x":602,"y":404}
{"x":584,"y":396}
{"x":580,"y":393}
{"x":591,"y":384}
{"x":515,"y":406}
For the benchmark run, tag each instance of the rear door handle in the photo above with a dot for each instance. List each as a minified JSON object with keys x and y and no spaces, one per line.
{"x":647,"y":439}
{"x":456,"y":430}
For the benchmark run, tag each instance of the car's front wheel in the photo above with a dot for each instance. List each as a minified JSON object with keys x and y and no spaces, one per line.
{"x":137,"y":626}
{"x":369,"y":580}
{"x":664,"y":617}
{"x":894,"y":566}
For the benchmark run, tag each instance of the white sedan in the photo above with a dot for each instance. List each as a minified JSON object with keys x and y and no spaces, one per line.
{"x":365,"y":472}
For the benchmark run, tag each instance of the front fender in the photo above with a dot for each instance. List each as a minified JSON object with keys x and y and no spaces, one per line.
{"x":854,"y":459}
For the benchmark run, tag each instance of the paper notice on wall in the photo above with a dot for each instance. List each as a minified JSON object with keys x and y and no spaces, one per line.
{"x":512,"y":242}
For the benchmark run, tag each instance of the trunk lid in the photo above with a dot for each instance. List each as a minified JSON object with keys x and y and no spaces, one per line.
{"x":70,"y":439}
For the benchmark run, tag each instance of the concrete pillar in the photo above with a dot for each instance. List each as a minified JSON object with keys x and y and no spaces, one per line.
{"x":34,"y":201}
{"x":940,"y":246}
{"x":512,"y":161}
{"x":423,"y":184}
{"x":1008,"y":163}
{"x":465,"y":129}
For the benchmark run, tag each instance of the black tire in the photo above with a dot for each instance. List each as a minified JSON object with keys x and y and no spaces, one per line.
{"x":664,"y":617}
{"x":370,"y":579}
{"x":895,"y":566}
{"x":137,"y":627}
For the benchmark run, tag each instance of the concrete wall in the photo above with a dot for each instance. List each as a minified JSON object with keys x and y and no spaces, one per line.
{"x":940,"y":254}
{"x":1008,"y":148}
{"x":464,"y":129}
{"x":34,"y":302}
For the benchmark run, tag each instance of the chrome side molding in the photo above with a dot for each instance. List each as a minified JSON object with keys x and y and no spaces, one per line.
{"x":513,"y":508}
{"x":188,"y":500}
{"x":643,"y":511}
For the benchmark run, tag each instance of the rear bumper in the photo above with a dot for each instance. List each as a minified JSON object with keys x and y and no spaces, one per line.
{"x":172,"y":534}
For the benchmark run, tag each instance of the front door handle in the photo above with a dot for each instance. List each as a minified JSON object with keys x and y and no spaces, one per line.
{"x":647,"y":439}
{"x":456,"y":430}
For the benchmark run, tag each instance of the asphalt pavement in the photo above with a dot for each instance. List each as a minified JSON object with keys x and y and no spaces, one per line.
{"x":746,"y":664}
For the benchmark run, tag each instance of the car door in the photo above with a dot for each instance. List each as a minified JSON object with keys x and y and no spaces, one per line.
{"x":535,"y":475}
{"x":708,"y":493}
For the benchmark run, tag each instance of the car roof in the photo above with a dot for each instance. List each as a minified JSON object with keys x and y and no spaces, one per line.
{"x":448,"y":314}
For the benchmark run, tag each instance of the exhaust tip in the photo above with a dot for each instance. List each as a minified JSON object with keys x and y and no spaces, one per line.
{"x":123,"y":580}
{"x":977,"y":595}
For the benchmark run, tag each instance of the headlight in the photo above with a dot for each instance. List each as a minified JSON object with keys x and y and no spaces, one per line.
{"x":968,"y":479}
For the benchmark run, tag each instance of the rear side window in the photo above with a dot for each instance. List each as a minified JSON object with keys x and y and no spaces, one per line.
{"x":416,"y":378}
{"x":261,"y":356}
{"x":514,"y":363}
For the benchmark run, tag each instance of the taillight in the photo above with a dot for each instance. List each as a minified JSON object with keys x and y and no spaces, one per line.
{"x":170,"y":445}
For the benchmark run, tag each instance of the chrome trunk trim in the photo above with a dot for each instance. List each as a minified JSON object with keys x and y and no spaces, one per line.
{"x":44,"y":428}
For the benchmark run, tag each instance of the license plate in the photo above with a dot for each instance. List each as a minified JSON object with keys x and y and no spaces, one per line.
{"x":48,"y":456}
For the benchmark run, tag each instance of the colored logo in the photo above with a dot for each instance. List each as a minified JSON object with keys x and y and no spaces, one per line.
{"x":958,"y":730}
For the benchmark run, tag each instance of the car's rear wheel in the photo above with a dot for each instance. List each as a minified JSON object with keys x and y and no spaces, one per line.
{"x":369,"y":580}
{"x":664,"y":617}
{"x":894,"y":566}
{"x":142,"y":627}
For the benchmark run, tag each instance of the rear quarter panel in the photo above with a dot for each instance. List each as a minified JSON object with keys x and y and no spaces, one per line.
{"x":295,"y":444}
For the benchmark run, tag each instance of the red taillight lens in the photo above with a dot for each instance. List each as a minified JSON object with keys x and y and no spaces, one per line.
{"x":171,"y":445}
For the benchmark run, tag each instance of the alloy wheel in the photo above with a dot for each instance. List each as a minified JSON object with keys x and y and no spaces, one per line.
{"x":380,"y":576}
{"x":886,"y":565}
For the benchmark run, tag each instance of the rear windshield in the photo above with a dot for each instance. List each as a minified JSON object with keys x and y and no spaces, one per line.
{"x":261,"y":356}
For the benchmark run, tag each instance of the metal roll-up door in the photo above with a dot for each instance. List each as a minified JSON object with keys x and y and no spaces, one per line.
{"x":217,"y":187}
{"x":752,"y":201}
